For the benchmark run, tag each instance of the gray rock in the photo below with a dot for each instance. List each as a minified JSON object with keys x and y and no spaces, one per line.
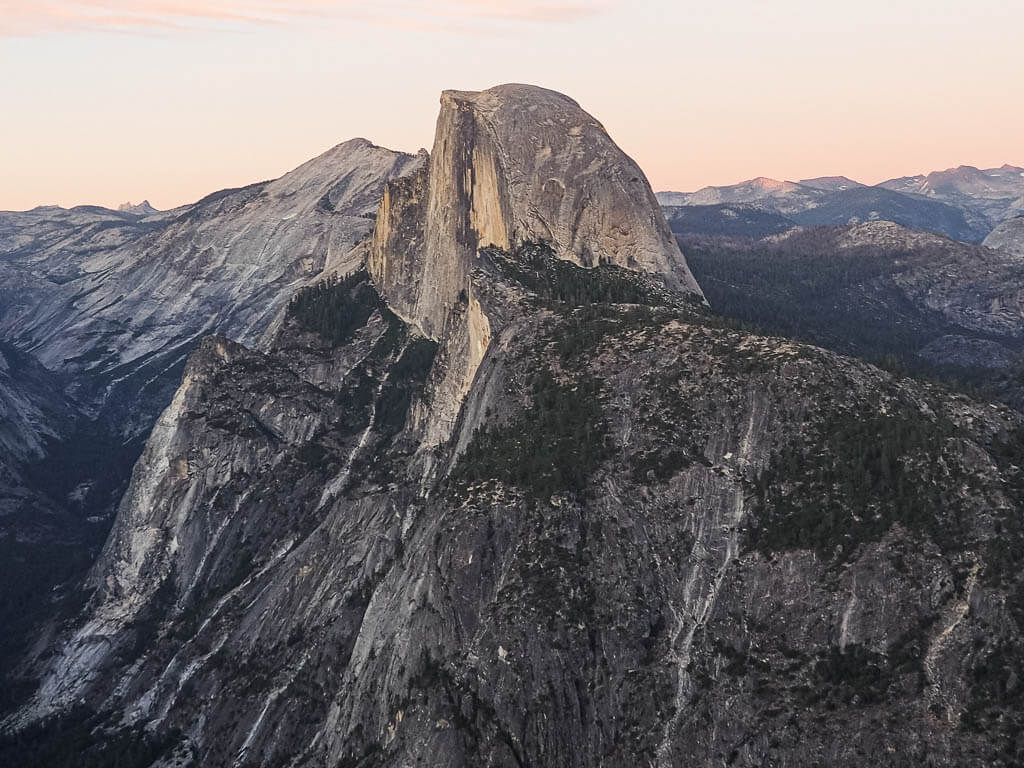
{"x":119,"y":299}
{"x":1008,"y":237}
{"x":99,"y":311}
{"x":511,"y":165}
{"x":965,"y":203}
{"x":989,"y":195}
{"x":650,"y":539}
{"x":781,"y":197}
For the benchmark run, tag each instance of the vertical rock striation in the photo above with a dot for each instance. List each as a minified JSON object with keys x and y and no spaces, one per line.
{"x":511,"y":165}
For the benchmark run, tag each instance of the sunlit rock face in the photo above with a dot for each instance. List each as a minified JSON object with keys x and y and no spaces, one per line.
{"x":120,"y":299}
{"x":511,"y":165}
{"x":99,"y":310}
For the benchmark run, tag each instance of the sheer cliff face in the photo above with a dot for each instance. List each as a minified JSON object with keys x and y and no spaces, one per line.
{"x":511,"y":165}
{"x":99,"y":311}
{"x":1008,"y":237}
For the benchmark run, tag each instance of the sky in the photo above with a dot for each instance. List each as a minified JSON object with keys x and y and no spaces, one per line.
{"x":103,"y":102}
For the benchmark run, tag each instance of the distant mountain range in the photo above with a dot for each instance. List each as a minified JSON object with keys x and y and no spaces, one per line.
{"x":964,"y":203}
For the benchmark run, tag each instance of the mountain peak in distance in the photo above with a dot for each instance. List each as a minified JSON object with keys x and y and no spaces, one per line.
{"x":142,"y":209}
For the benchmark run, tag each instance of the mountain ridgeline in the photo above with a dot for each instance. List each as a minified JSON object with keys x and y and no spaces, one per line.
{"x":500,"y":489}
{"x":962,"y":203}
{"x":99,"y":311}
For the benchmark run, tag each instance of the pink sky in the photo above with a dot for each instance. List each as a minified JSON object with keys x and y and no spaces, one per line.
{"x":108,"y":101}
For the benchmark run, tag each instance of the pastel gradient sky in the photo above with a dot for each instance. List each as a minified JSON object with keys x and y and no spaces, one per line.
{"x":104,"y":101}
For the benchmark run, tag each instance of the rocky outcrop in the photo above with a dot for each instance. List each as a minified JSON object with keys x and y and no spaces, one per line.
{"x":970,"y":286}
{"x":511,"y":165}
{"x":32,"y":407}
{"x":100,"y":309}
{"x":138,"y":209}
{"x":1008,"y":237}
{"x":837,"y":201}
{"x":119,"y":301}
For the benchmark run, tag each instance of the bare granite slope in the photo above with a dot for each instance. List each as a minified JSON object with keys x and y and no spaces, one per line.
{"x":1008,"y":237}
{"x":112,"y":295}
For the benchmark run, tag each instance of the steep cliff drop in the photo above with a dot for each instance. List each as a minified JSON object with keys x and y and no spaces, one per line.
{"x":511,"y":165}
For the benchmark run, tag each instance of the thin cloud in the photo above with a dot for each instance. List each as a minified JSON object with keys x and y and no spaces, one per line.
{"x":19,"y":18}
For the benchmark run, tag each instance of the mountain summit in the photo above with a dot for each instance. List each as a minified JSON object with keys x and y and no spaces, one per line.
{"x":511,"y":165}
{"x":514,"y":169}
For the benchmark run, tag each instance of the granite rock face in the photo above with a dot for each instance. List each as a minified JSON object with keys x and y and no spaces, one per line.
{"x":32,"y":407}
{"x":511,"y":165}
{"x":970,"y":286}
{"x":119,"y":299}
{"x":649,"y":543}
{"x":1008,"y":237}
{"x":99,"y":310}
{"x":641,"y":537}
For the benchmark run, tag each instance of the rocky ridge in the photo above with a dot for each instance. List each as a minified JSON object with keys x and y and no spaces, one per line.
{"x":990,"y":195}
{"x":781,"y":197}
{"x":114,"y":297}
{"x":831,"y":183}
{"x":139,"y":209}
{"x":963,"y":203}
{"x":882,"y":292}
{"x":511,"y":165}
